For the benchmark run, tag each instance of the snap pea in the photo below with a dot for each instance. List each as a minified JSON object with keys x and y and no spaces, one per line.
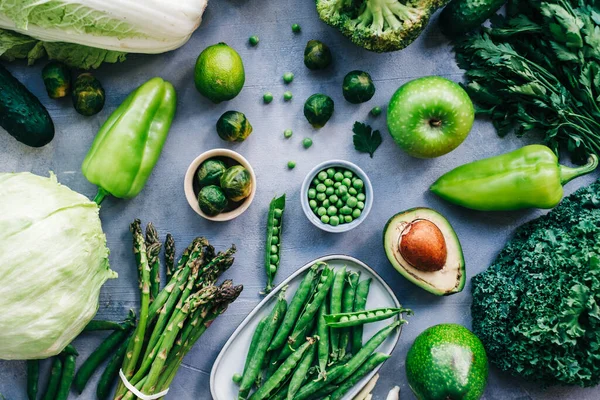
{"x":256,"y":338}
{"x":294,"y":309}
{"x":348,"y":306}
{"x":360,"y":303}
{"x":33,"y":375}
{"x":341,"y":372}
{"x":274,"y":220}
{"x":54,"y":380}
{"x":260,"y":353}
{"x":301,"y":372}
{"x":102,"y":352}
{"x":344,"y":320}
{"x":372,"y":362}
{"x":282,"y":372}
{"x":66,"y":378}
{"x":335,"y":307}
{"x":109,"y":376}
{"x":323,"y":345}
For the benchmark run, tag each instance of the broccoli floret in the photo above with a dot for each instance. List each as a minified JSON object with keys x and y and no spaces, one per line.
{"x":379,"y":25}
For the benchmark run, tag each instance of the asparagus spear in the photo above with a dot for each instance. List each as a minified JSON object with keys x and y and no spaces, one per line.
{"x":169,"y":256}
{"x":153,"y":247}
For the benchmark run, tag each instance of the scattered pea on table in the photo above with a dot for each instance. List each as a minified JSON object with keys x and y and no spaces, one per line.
{"x":291,"y":165}
{"x":376,"y":111}
{"x":253,"y":40}
{"x":307,"y":142}
{"x":296,"y":28}
{"x":288,"y":77}
{"x":287,"y":95}
{"x":288,"y":133}
{"x":268,"y":97}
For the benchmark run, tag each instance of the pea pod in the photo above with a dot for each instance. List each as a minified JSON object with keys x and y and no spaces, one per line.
{"x":282,"y":372}
{"x":344,"y":320}
{"x":99,"y":325}
{"x":373,"y":361}
{"x":109,"y":376}
{"x":256,"y":338}
{"x":54,"y":380}
{"x":295,"y":308}
{"x":66,"y":379}
{"x":33,"y":375}
{"x":335,"y":307}
{"x":360,"y":303}
{"x":348,"y":306}
{"x":260,"y":353}
{"x":301,"y":372}
{"x":274,"y":230}
{"x":323,"y":345}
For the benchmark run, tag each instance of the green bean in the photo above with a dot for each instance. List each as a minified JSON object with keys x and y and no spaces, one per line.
{"x":344,"y":320}
{"x":274,"y":231}
{"x":341,"y":372}
{"x":372,"y":362}
{"x":323,"y":345}
{"x":33,"y":375}
{"x":258,"y":357}
{"x":360,"y":303}
{"x":282,"y":372}
{"x":348,"y":306}
{"x":335,"y":307}
{"x":256,"y":338}
{"x":109,"y":376}
{"x":54,"y":380}
{"x":301,"y":372}
{"x":66,"y":379}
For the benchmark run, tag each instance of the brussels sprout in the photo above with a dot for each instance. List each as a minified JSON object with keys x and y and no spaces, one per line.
{"x":211,"y":200}
{"x":236,"y":183}
{"x":57,"y":79}
{"x":318,"y":108}
{"x":87,"y":95}
{"x":233,"y":126}
{"x":210,"y":172}
{"x":358,"y":87}
{"x":317,"y":55}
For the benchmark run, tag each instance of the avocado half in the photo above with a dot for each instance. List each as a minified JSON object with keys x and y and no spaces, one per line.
{"x":436,"y":262}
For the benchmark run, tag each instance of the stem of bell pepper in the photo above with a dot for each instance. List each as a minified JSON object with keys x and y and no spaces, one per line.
{"x":568,"y":173}
{"x":100,"y":195}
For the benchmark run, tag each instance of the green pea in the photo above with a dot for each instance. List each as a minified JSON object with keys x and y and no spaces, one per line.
{"x":296,"y":28}
{"x":275,"y":229}
{"x":338,"y":177}
{"x":278,"y":212}
{"x":274,"y":240}
{"x":376,"y":111}
{"x":337,"y":184}
{"x":307,"y":142}
{"x":328,"y":182}
{"x":389,"y":311}
{"x":334,"y":221}
{"x":360,"y":205}
{"x":344,"y":319}
{"x":274,"y":258}
{"x":341,"y":218}
{"x":267,"y":97}
{"x":356,"y":213}
{"x":348,"y":218}
{"x":274,"y":249}
{"x":312,"y":204}
{"x":352,"y":191}
{"x":348,"y":174}
{"x":273,"y":268}
{"x":312,"y":193}
{"x":321,"y":188}
{"x":345,"y":210}
{"x":339,"y":203}
{"x":370,"y":315}
{"x":288,"y":77}
{"x":361,"y":197}
{"x":326,"y":203}
{"x":291,"y":164}
{"x":351,"y":202}
{"x":275,"y":221}
{"x":347,"y":182}
{"x":288,"y":133}
{"x":353,"y":318}
{"x":342,"y":190}
{"x":333,"y":199}
{"x":345,"y":198}
{"x":379,"y":313}
{"x":287,"y":95}
{"x":330,"y":172}
{"x":321,"y":196}
{"x":323,"y":279}
{"x":322,"y":176}
{"x":329,"y":191}
{"x":362,"y":316}
{"x":315,"y":181}
{"x":253,"y":40}
{"x":358,"y":184}
{"x":331,"y":211}
{"x":325,"y":219}
{"x":321,"y":211}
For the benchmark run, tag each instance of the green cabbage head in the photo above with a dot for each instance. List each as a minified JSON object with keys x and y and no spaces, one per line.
{"x":53,"y":261}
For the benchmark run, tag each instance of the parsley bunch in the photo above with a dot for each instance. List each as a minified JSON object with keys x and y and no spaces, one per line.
{"x":538,"y":69}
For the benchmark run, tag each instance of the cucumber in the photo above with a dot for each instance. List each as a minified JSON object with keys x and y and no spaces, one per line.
{"x":22,"y":114}
{"x":462,"y":16}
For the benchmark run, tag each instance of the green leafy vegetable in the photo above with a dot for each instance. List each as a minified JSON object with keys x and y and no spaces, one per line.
{"x":53,"y":261}
{"x":538,"y":69}
{"x":537,"y":308}
{"x":365,"y":139}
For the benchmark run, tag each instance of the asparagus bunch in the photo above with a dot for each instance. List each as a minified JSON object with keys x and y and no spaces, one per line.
{"x":172,"y":320}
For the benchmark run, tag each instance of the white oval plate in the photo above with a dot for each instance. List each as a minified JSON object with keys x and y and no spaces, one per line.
{"x":232,"y":357}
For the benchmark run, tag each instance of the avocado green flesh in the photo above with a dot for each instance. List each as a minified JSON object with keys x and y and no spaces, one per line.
{"x":448,"y":280}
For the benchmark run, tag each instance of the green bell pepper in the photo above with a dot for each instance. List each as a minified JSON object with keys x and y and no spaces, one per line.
{"x":528,"y":177}
{"x":129,"y":143}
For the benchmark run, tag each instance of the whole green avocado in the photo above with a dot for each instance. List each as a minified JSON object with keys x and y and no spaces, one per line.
{"x":447,"y":362}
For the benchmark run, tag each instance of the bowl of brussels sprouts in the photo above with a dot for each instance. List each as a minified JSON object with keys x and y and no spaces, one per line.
{"x":336,"y":196}
{"x":220,"y":185}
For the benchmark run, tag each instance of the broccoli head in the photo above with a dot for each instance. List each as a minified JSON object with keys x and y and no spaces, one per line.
{"x":379,"y":25}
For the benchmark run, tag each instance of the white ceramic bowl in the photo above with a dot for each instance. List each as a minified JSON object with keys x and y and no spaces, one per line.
{"x":192,"y":196}
{"x":316,"y":220}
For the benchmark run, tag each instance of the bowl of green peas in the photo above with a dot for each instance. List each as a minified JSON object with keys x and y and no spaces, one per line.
{"x":336,"y":196}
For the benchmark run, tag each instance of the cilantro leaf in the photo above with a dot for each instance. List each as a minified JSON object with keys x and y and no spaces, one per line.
{"x":365,"y":139}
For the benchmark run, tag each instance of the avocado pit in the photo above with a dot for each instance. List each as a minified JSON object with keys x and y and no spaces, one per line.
{"x":423,"y":246}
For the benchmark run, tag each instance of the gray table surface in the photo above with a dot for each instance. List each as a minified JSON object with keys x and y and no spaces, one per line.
{"x":400,"y":182}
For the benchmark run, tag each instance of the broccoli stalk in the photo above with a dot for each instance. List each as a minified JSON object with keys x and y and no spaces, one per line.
{"x":379,"y":25}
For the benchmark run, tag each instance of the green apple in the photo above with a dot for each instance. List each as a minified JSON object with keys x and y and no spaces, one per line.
{"x":430,"y":116}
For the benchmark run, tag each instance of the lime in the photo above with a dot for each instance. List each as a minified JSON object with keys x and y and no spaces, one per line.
{"x":219,"y":73}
